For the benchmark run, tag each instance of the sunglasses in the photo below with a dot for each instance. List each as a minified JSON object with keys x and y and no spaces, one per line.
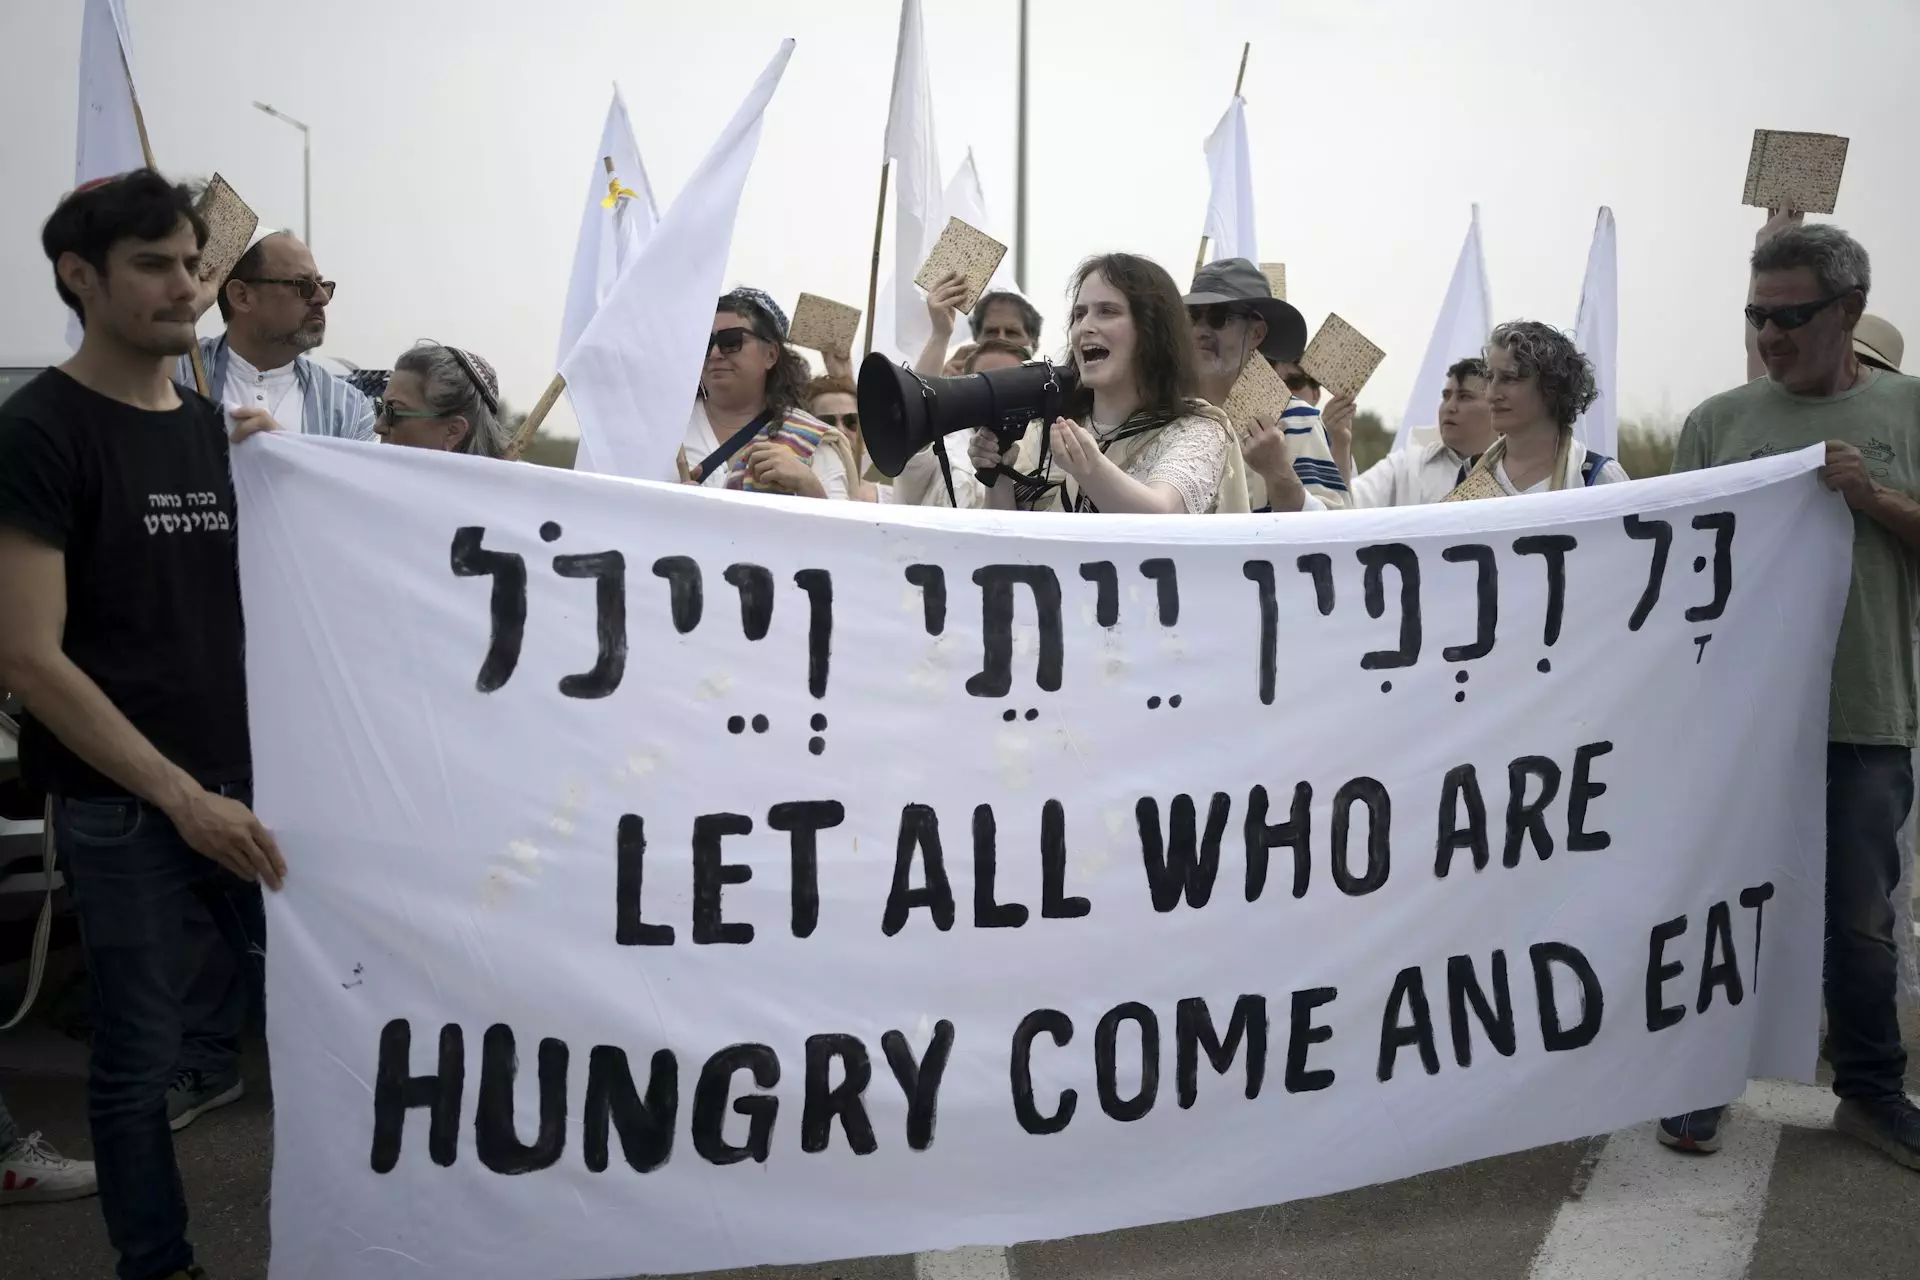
{"x":1793,"y":315}
{"x":729,"y":341}
{"x":305,"y":286}
{"x":1216,"y":316}
{"x":386,"y":411}
{"x":845,"y":421}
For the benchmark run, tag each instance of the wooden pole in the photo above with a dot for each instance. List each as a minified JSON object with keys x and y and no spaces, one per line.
{"x":1200,"y":258}
{"x":873,"y":274}
{"x":200,"y":381}
{"x":537,"y":415}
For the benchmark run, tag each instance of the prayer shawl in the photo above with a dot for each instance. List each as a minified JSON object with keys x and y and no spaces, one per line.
{"x":330,"y":406}
{"x":1570,"y":470}
{"x":801,"y":432}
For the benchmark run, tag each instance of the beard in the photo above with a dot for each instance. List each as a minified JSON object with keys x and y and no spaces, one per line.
{"x":304,"y":338}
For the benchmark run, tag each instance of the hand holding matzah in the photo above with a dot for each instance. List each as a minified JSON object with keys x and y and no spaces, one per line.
{"x":967,"y":250}
{"x":1339,"y":359}
{"x":1258,"y":392}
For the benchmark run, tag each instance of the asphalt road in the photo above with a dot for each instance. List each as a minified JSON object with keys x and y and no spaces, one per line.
{"x":1788,"y":1198}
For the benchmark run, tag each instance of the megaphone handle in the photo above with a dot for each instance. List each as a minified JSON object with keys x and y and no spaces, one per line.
{"x":1006,"y":438}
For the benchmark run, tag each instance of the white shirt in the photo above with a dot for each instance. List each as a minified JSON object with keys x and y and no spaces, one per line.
{"x":701,"y":441}
{"x":1424,"y":471}
{"x":276,"y":390}
{"x":920,"y":483}
{"x":1610,"y":473}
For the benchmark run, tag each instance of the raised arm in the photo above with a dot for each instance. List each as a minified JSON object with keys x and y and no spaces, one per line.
{"x":943,"y":304}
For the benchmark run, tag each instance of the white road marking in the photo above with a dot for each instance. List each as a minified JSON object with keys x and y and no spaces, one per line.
{"x":1650,"y":1211}
{"x":974,"y":1262}
{"x":1797,"y":1106}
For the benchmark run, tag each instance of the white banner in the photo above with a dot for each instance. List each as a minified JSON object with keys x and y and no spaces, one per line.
{"x":683,"y":879}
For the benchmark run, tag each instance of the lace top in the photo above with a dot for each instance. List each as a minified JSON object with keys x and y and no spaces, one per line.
{"x":1189,"y":453}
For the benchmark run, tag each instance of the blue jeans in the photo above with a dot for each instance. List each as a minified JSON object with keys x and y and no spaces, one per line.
{"x":216,"y":1000}
{"x":1869,"y":795}
{"x":133,"y":881}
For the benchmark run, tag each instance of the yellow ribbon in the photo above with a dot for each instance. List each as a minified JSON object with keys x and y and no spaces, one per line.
{"x":616,"y":193}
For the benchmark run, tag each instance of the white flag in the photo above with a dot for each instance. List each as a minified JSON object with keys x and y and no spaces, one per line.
{"x":108,"y":139}
{"x":1230,"y":219}
{"x":919,"y":203}
{"x":967,"y":201}
{"x":1466,"y":317}
{"x":617,"y":219}
{"x":633,"y":374}
{"x":1597,"y":333}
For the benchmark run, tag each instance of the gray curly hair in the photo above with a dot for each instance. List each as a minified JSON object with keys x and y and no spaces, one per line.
{"x":1839,"y":261}
{"x":1545,"y":353}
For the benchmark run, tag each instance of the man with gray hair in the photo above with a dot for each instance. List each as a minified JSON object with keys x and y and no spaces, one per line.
{"x":275,"y":307}
{"x":1809,"y":292}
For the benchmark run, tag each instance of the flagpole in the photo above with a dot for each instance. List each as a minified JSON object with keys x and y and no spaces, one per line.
{"x":549,"y":397}
{"x":537,"y":415}
{"x":1200,"y":258}
{"x":873,"y":274}
{"x":1020,"y":165}
{"x":200,"y":380}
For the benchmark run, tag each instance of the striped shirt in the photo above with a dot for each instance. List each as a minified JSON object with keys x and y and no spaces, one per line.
{"x":330,"y":406}
{"x":1312,"y":460}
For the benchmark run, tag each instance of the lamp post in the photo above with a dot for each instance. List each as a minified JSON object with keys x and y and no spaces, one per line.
{"x":1020,"y":165}
{"x":306,"y":169}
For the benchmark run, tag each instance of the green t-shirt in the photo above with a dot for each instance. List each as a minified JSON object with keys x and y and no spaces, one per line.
{"x":1873,"y":667}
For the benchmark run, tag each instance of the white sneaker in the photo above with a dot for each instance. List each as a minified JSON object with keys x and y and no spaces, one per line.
{"x":34,"y":1172}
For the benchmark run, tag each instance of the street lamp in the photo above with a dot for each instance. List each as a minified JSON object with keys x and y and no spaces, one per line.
{"x":306,"y":169}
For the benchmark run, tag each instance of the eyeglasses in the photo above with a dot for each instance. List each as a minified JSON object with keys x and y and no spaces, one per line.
{"x":1216,"y":316}
{"x":305,"y":286}
{"x":845,"y":421}
{"x":729,"y":340}
{"x":1793,"y":315}
{"x":385,"y":411}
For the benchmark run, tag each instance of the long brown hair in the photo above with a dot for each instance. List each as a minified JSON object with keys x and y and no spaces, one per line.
{"x":1163,"y":336}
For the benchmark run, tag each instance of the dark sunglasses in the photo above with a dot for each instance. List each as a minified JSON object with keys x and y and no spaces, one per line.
{"x":845,"y":421}
{"x":305,"y":286}
{"x":1216,"y":316}
{"x":729,"y":340}
{"x":1793,"y":315}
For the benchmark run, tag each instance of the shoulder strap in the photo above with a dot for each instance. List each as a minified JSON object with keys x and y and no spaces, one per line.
{"x":734,"y":444}
{"x":1591,"y":466}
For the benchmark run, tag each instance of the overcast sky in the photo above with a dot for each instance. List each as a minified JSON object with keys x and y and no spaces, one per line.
{"x":451,"y":139}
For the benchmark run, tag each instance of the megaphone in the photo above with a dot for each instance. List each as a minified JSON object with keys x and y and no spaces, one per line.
{"x":902,"y":412}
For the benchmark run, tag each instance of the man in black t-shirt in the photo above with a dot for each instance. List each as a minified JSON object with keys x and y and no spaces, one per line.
{"x":120,"y":631}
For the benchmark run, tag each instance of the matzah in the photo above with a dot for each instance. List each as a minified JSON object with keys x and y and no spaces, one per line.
{"x":823,"y":325}
{"x":971,"y":252}
{"x":1339,"y":359}
{"x":230,"y":226}
{"x":1798,"y":171}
